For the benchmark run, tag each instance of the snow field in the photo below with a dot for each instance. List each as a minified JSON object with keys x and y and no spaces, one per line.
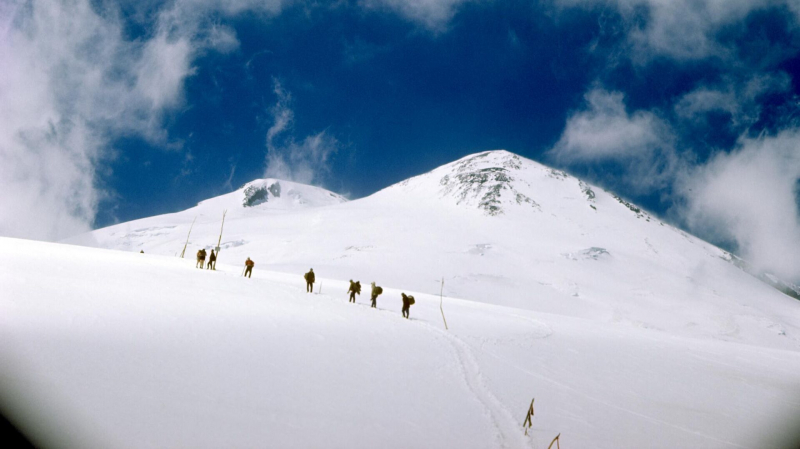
{"x":113,"y":349}
{"x":156,"y":353}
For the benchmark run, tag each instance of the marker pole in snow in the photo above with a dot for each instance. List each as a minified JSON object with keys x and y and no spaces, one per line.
{"x":224,"y":212}
{"x":527,"y":424}
{"x":187,"y":238}
{"x":440,"y":305}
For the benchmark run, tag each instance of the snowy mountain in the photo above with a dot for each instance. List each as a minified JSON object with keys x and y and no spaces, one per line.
{"x":500,"y":229}
{"x":626,"y":331}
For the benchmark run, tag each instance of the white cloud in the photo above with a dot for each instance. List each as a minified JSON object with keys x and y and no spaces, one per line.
{"x":164,"y":65}
{"x":703,"y":99}
{"x":432,"y":14}
{"x":605,"y":132}
{"x":71,"y":81}
{"x":282,"y":114}
{"x":221,"y":38}
{"x":55,"y":63}
{"x":679,"y":29}
{"x":307,"y":161}
{"x":685,"y":29}
{"x":750,"y":195}
{"x":740,"y":99}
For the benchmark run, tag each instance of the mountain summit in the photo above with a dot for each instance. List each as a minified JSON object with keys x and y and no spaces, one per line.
{"x":490,"y":181}
{"x":270,"y":193}
{"x":495,"y":182}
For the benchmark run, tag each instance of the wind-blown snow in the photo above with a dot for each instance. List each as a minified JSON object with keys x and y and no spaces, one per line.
{"x":627,"y":331}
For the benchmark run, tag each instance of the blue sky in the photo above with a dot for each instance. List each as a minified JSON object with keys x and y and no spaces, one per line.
{"x":120,"y":110}
{"x":399,"y":99}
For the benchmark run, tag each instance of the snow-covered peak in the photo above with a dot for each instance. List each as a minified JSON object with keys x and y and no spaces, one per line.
{"x":495,"y":182}
{"x":487,"y":180}
{"x":273,"y":193}
{"x":286,"y":193}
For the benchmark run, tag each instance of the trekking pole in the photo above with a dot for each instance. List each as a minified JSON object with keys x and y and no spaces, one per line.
{"x":440,"y":305}
{"x":243,"y":270}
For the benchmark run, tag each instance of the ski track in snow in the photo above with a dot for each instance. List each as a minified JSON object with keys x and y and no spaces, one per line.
{"x":508,"y":433}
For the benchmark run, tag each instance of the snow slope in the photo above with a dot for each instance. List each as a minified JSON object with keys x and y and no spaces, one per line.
{"x":117,"y":349}
{"x":500,"y":229}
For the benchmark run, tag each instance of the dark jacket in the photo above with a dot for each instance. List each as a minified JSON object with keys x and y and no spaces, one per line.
{"x":310,"y":277}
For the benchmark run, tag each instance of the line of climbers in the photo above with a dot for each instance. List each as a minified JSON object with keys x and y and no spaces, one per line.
{"x":355,"y":287}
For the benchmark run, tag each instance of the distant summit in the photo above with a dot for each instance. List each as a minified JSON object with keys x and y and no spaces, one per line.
{"x":272,"y":193}
{"x":257,"y":193}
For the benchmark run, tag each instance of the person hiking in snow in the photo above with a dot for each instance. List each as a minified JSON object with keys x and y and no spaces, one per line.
{"x":375,"y":292}
{"x":212,"y":261}
{"x":355,"y":287}
{"x":310,"y":278}
{"x":248,"y":270}
{"x":407,"y":302}
{"x":201,"y":258}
